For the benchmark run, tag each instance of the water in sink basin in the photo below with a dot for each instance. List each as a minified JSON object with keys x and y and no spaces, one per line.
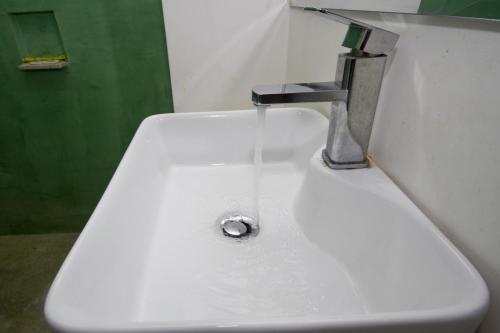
{"x":278,"y":274}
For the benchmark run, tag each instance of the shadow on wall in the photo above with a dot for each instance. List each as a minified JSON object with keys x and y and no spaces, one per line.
{"x":234,"y":45}
{"x":62,"y":133}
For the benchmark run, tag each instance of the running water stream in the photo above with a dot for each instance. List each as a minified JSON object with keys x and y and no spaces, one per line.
{"x":257,"y":158}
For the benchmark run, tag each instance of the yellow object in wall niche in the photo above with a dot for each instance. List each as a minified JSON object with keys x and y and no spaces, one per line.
{"x":61,"y":57}
{"x":38,"y":40}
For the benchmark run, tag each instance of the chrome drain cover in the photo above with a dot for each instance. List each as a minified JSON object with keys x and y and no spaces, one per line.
{"x":239,"y":226}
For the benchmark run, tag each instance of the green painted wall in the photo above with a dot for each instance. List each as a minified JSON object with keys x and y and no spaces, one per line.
{"x":62,"y":133}
{"x":489,"y":9}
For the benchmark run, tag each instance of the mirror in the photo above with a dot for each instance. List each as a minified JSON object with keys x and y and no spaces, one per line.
{"x":483,"y":9}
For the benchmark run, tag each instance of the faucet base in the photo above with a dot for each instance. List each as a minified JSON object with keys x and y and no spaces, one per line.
{"x":343,"y":165}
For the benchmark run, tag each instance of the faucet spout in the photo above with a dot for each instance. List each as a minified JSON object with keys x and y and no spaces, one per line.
{"x":298,"y":93}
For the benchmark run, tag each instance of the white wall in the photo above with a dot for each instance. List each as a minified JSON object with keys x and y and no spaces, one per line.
{"x":437,"y":129}
{"x":438,"y":134}
{"x":219,"y":49}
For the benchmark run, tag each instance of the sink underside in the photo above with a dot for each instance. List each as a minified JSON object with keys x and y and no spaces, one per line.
{"x":337,"y":251}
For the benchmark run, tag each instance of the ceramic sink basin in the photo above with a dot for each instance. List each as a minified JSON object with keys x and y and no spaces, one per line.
{"x":337,"y":251}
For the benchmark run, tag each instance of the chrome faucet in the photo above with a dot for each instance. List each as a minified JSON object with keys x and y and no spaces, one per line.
{"x":354,"y":94}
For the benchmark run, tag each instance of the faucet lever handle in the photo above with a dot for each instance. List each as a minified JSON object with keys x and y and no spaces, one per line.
{"x":361,"y":36}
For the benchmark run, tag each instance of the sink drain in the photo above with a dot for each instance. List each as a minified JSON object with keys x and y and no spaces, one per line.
{"x":239,"y":226}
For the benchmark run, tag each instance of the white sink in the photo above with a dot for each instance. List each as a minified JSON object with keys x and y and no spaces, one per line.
{"x":338,"y":251}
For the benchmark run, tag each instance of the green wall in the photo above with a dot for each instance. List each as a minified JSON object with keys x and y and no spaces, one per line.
{"x":62,"y":133}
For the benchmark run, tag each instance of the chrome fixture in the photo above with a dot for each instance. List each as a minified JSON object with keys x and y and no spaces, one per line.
{"x":354,"y":94}
{"x":239,"y":226}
